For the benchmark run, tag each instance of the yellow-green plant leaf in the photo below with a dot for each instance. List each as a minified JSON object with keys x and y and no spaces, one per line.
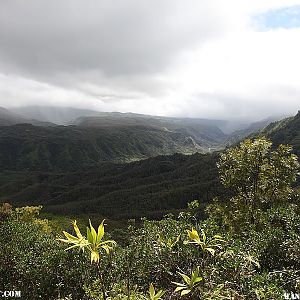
{"x":185,"y":278}
{"x":179,"y":288}
{"x":77,"y":231}
{"x":69,"y":236}
{"x":185,"y":292}
{"x":89,"y":235}
{"x":93,"y":232}
{"x":100,"y":232}
{"x":95,"y":256}
{"x":151,"y":290}
{"x":193,"y":234}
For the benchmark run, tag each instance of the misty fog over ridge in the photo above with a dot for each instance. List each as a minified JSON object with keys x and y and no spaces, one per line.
{"x":61,"y":115}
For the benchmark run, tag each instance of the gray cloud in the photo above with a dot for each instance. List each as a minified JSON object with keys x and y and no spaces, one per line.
{"x":136,"y":55}
{"x":114,"y":38}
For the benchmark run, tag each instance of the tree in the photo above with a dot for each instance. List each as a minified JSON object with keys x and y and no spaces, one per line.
{"x":259,"y":177}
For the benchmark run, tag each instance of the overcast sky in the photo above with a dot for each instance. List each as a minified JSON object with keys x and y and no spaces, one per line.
{"x":196,"y":58}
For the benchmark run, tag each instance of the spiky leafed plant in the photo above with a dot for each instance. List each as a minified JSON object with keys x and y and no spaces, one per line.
{"x":205,"y":243}
{"x":153,"y":295}
{"x":93,"y":243}
{"x":190,"y":284}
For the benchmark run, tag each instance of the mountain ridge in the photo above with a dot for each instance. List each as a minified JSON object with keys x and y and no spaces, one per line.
{"x":152,"y":187}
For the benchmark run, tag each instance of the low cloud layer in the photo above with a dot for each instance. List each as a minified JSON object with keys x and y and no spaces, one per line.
{"x":194,"y":58}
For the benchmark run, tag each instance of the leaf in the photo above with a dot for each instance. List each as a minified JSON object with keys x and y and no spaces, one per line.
{"x":89,"y":235}
{"x":180,"y":288}
{"x":100,"y":232}
{"x":195,"y":273}
{"x":211,"y":251}
{"x":63,"y":240}
{"x":185,"y":278}
{"x":159,"y":294}
{"x":95,"y":256}
{"x":151,"y":290}
{"x":198,"y":279}
{"x":106,"y":248}
{"x":78,"y":233}
{"x":70,"y":237}
{"x":71,"y":247}
{"x":185,"y":292}
{"x":193,"y":234}
{"x":179,"y":284}
{"x":93,"y":232}
{"x":219,"y":237}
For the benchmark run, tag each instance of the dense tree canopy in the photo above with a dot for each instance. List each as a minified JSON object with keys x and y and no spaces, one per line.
{"x":246,"y":249}
{"x":258,"y":176}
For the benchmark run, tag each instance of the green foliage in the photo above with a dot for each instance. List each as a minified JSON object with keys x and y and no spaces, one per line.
{"x":205,"y":244}
{"x":34,"y":263}
{"x":239,"y":252}
{"x":153,"y":295}
{"x":259,"y":178}
{"x":93,"y":243}
{"x":27,"y":213}
{"x":286,"y":131}
{"x":190,"y":282}
{"x":54,"y":148}
{"x":118,"y":291}
{"x":151,"y":188}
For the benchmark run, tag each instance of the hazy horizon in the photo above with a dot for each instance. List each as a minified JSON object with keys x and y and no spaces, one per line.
{"x":64,"y":109}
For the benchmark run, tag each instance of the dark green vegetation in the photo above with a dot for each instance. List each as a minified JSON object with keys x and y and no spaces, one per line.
{"x":80,"y":168}
{"x":252,"y":129}
{"x":246,"y":249}
{"x":110,"y":137}
{"x":60,"y":168}
{"x":67,"y":148}
{"x":204,"y":132}
{"x":286,"y":131}
{"x":150,"y":187}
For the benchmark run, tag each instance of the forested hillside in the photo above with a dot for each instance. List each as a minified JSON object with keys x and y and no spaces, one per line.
{"x":60,"y":168}
{"x":245,"y":248}
{"x":286,"y":131}
{"x":205,"y":132}
{"x":30,"y":147}
{"x":150,"y":187}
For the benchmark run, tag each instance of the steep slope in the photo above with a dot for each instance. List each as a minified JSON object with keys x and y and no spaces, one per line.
{"x":151,"y":187}
{"x":286,"y":131}
{"x":202,"y":131}
{"x":253,"y":128}
{"x":60,"y":147}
